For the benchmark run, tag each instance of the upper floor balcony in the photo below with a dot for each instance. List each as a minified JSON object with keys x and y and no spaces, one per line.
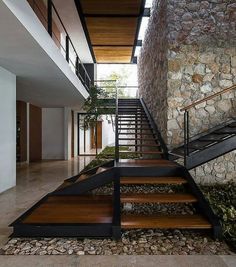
{"x":46,"y":50}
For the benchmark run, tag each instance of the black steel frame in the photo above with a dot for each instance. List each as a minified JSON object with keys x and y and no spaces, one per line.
{"x":111,"y":175}
{"x":221,"y":147}
{"x":144,"y":12}
{"x":211,"y":152}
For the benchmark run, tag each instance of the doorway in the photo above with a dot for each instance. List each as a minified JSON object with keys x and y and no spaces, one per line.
{"x":96,"y":135}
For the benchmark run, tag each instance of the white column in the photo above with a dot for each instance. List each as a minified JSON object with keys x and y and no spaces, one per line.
{"x":7,"y":130}
{"x":53,"y":133}
{"x":75,"y":134}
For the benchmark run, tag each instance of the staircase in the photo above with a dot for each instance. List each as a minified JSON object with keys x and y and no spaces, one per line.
{"x":161,"y":192}
{"x":210,"y":145}
{"x":135,"y":131}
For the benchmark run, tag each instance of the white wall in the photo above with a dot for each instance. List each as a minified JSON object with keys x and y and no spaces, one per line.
{"x":24,"y":13}
{"x":53,"y":133}
{"x":7,"y":130}
{"x":108,"y":135}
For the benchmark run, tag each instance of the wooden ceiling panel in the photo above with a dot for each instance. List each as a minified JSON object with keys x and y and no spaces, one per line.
{"x":111,"y":7}
{"x":112,"y":31}
{"x":113,"y":54}
{"x":111,"y":27}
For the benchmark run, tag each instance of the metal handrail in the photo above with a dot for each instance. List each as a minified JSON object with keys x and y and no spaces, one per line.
{"x":209,"y":98}
{"x":70,"y":39}
{"x":78,"y":63}
{"x":186,"y":118}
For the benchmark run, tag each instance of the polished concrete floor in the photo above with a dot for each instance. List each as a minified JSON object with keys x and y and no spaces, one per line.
{"x":117,"y":261}
{"x":33,"y":182}
{"x":36,"y":180}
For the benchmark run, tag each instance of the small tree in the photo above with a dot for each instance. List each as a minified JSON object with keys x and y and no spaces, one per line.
{"x":117,"y":79}
{"x":95,"y":106}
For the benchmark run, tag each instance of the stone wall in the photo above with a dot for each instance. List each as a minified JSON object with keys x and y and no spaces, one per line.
{"x":199,"y":46}
{"x":195,"y":72}
{"x":219,"y":170}
{"x":201,"y":61}
{"x":153,"y":66}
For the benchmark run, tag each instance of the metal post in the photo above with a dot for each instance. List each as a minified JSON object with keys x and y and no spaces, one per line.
{"x":85,"y":80}
{"x":96,"y":136}
{"x":77,"y":66}
{"x":116,"y":227}
{"x":187,"y":133}
{"x":78,"y":132}
{"x":117,"y":131}
{"x":186,"y":136}
{"x":50,"y":17}
{"x":136,"y":132}
{"x":67,"y":48}
{"x":141,"y":136}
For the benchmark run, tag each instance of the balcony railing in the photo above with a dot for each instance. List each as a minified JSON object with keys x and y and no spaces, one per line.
{"x":51,"y":20}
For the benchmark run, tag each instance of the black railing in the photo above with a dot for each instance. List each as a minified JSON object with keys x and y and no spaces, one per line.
{"x":155,"y":129}
{"x":113,"y":93}
{"x":116,"y":127}
{"x":187,"y":138}
{"x":46,"y":15}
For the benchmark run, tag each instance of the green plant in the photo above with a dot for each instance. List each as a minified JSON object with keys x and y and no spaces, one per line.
{"x":222,"y":198}
{"x":95,"y":106}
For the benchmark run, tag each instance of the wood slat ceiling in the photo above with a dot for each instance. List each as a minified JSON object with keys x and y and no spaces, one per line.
{"x":112,"y":31}
{"x":116,"y":54}
{"x":112,"y":27}
{"x":111,"y":7}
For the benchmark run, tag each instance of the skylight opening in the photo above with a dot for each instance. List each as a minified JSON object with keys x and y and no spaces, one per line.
{"x":148,"y":3}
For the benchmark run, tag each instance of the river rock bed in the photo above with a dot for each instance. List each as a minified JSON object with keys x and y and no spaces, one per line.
{"x":144,"y":189}
{"x":133,"y":242}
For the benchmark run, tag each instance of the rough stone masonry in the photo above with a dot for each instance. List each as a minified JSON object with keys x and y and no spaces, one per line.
{"x":189,"y":52}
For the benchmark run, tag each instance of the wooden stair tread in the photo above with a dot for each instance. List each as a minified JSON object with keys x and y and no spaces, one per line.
{"x":132,"y":124}
{"x":141,"y":152}
{"x":73,"y":209}
{"x":135,"y":128}
{"x":139,"y":139}
{"x":158,"y":198}
{"x":164,"y":222}
{"x":142,"y":134}
{"x":152,"y":180}
{"x":143,"y":145}
{"x":146,"y":163}
{"x":132,"y":116}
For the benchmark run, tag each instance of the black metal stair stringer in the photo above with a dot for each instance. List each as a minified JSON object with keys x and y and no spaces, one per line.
{"x":92,"y":182}
{"x":210,"y":153}
{"x":202,"y":204}
{"x":155,"y":129}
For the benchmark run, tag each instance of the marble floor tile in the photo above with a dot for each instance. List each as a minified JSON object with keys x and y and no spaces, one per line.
{"x":33,"y":182}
